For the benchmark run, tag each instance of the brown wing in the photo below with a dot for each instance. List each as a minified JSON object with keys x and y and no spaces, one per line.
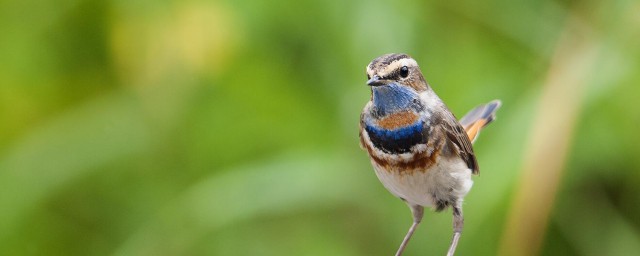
{"x":457,"y":135}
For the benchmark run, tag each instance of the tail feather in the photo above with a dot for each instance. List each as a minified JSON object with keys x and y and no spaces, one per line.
{"x":479,"y":117}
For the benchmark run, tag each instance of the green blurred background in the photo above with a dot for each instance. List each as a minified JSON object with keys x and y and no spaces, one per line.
{"x":230,"y":127}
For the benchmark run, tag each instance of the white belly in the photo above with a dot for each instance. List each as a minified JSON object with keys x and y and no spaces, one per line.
{"x":446,"y":179}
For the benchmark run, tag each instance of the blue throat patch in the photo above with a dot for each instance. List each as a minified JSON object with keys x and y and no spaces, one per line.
{"x":394,"y":98}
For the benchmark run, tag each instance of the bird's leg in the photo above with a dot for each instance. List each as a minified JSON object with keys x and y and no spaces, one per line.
{"x":418,"y":212}
{"x":458,"y":222}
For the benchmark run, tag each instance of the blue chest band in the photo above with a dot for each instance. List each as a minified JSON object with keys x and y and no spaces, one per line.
{"x":398,"y":140}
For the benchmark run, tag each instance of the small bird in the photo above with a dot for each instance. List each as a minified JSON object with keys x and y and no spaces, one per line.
{"x":418,"y":149}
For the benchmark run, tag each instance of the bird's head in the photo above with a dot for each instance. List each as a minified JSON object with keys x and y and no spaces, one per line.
{"x":396,"y":84}
{"x":394,"y":68}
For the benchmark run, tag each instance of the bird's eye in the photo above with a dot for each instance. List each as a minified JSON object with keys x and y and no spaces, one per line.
{"x":368,"y":77}
{"x":404,"y":71}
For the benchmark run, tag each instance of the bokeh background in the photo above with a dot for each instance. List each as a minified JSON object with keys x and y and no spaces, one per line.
{"x":230,"y":127}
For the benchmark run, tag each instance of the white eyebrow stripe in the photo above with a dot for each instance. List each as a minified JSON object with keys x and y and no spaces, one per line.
{"x":396,"y":65}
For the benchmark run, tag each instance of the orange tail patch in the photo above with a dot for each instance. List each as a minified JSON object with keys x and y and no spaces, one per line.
{"x":478,"y":118}
{"x":474,"y":129}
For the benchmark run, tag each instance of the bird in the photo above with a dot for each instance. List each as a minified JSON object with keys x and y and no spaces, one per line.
{"x":419,"y":151}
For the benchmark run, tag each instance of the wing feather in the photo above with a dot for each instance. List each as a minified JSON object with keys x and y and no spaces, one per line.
{"x":457,"y":135}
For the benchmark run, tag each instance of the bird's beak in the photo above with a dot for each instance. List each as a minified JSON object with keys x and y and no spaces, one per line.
{"x":376,"y":81}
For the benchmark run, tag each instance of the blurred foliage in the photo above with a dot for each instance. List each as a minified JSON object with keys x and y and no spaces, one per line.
{"x":230,"y":128}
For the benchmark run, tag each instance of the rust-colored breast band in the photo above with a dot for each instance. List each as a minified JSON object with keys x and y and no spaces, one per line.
{"x":398,"y":120}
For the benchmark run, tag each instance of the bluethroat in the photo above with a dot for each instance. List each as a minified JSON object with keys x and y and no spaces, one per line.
{"x":418,"y":149}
